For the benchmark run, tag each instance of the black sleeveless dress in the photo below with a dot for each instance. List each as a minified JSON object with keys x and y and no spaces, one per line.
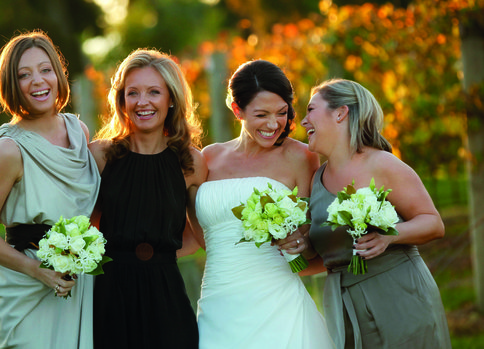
{"x":141,"y":301}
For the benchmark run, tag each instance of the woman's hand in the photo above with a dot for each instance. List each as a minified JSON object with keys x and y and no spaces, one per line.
{"x":293,"y":244}
{"x":59,"y":282}
{"x":372,"y":244}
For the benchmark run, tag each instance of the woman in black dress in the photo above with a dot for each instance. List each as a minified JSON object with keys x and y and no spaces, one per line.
{"x":149,"y":169}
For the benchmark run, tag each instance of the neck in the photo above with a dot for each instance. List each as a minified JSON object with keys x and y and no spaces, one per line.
{"x":147,"y":143}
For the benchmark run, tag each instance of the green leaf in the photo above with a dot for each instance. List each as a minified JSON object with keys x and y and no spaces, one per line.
{"x":99,"y":270}
{"x":391,"y":231}
{"x":346,"y":217}
{"x":265,"y":199}
{"x":350,"y":189}
{"x":44,"y":265}
{"x":237,"y":211}
{"x":242,"y":240}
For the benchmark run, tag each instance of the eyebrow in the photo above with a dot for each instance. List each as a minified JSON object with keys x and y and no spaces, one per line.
{"x":40,"y":63}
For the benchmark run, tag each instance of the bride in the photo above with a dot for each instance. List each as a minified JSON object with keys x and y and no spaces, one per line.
{"x":250,"y":298}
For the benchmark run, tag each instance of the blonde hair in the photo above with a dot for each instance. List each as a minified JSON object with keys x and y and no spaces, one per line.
{"x":364,"y":112}
{"x":181,"y":125}
{"x":11,"y":97}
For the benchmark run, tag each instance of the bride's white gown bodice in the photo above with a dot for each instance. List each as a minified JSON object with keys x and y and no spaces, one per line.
{"x":250,"y":298}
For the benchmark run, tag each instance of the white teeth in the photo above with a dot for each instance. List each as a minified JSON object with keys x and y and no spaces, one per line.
{"x":267,"y":134}
{"x":144,"y":113}
{"x":310,"y":131}
{"x":38,"y":93}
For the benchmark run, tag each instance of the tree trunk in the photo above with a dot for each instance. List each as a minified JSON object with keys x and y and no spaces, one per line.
{"x":472,"y":41}
{"x":220,"y":126}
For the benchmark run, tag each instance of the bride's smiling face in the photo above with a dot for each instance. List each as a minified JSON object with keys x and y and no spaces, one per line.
{"x":265,"y":118}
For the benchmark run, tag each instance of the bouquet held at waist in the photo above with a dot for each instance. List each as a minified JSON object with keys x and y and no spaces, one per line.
{"x":273,"y":214}
{"x":73,"y":246}
{"x":363,"y":210}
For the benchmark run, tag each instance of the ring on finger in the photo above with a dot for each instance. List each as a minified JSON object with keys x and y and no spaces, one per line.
{"x":297,"y":241}
{"x":56,"y":289}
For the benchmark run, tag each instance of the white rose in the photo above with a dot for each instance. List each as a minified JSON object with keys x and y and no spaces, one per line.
{"x":385,"y":218}
{"x":77,"y":244}
{"x":72,"y":229}
{"x":62,"y":263}
{"x":58,"y":240}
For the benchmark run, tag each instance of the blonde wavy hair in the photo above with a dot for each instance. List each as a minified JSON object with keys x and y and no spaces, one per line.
{"x":182,"y":127}
{"x":364,"y":111}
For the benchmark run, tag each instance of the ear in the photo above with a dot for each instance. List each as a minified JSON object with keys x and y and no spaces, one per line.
{"x":236,"y":109}
{"x":342,"y":113}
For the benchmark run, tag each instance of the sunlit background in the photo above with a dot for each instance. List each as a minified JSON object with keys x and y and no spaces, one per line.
{"x":413,"y":55}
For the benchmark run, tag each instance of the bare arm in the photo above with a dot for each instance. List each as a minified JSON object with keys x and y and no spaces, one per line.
{"x":422,"y":222}
{"x":193,"y":235}
{"x":11,"y":168}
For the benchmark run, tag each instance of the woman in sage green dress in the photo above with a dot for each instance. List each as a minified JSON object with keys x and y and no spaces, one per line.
{"x":396,"y":304}
{"x":46,"y":172}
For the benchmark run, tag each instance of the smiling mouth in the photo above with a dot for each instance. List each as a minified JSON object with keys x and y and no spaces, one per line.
{"x":42,"y":93}
{"x":144,"y":115}
{"x":267,"y":134}
{"x":310,"y":131}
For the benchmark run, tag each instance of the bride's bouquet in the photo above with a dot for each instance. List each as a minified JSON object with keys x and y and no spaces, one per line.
{"x":274,"y":214}
{"x":73,"y":246}
{"x":363,"y":210}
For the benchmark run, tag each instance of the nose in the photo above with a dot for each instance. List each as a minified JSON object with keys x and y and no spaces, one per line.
{"x":272,"y":122}
{"x":304,"y":121}
{"x":36,"y":78}
{"x":142,"y":100}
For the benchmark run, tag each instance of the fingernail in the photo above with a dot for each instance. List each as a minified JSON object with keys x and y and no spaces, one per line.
{"x":354,"y":247}
{"x":357,"y":253}
{"x":362,"y":257}
{"x":356,"y":241}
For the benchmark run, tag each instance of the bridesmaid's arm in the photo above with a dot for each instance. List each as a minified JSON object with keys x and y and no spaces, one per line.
{"x":193,"y":232}
{"x":11,"y":168}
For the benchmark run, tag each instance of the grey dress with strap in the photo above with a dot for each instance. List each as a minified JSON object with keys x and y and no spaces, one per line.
{"x":56,"y":182}
{"x":395,"y":305}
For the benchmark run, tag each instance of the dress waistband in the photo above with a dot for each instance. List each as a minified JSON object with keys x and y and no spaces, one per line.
{"x":386,"y":261}
{"x":25,"y":236}
{"x":143,"y":253}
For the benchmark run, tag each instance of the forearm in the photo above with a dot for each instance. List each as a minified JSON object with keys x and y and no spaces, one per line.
{"x":13,"y":259}
{"x":419,"y":230}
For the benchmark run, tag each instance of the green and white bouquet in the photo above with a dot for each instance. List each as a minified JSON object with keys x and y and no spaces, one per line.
{"x":273,"y":214}
{"x":363,"y":210}
{"x":73,"y":246}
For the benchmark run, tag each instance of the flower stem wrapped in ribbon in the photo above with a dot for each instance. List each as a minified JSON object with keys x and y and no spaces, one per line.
{"x":363,"y":210}
{"x":73,"y":246}
{"x":273,"y":214}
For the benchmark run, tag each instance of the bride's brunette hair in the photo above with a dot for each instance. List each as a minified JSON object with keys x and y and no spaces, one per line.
{"x":181,"y":125}
{"x":256,"y":76}
{"x":11,"y":97}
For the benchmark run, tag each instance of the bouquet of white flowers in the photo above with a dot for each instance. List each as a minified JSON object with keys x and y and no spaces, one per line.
{"x":363,"y":210}
{"x":73,"y":246}
{"x":274,"y":214}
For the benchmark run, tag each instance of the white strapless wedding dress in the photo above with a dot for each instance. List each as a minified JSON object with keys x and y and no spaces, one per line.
{"x":250,"y":298}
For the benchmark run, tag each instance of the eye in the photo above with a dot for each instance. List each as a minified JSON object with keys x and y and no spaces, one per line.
{"x":46,"y":70}
{"x":154,"y":92}
{"x":309,"y":109}
{"x":23,"y":76}
{"x":131,"y":93}
{"x":284,"y":113}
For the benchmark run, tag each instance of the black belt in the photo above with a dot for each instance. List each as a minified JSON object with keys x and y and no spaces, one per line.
{"x":25,"y":236}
